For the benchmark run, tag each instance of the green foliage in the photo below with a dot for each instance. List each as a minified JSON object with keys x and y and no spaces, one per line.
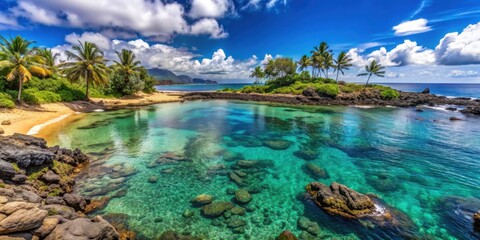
{"x":227,"y":90}
{"x":254,"y":89}
{"x":6,"y":101}
{"x":389,"y":94}
{"x":35,"y":96}
{"x":328,"y":89}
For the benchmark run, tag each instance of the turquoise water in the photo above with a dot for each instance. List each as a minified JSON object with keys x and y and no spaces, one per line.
{"x":199,"y":87}
{"x":419,"y":163}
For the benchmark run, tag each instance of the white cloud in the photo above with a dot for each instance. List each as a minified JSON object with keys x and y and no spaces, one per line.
{"x":462,"y":73}
{"x":357,"y":58}
{"x":208,"y":26}
{"x":412,"y":27}
{"x":407,"y":53}
{"x":7,"y":22}
{"x":266,"y":59}
{"x":269,"y":4}
{"x":100,"y":40}
{"x":210,"y":8}
{"x":458,"y":49}
{"x":158,"y":20}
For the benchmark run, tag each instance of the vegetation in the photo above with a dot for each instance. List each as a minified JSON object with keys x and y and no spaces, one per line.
{"x":288,"y":77}
{"x":35,"y":75}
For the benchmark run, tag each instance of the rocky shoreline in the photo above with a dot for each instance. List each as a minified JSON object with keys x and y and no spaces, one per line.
{"x":36,"y":199}
{"x":369,"y":98}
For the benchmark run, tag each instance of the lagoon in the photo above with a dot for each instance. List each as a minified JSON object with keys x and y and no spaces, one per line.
{"x":156,"y":159}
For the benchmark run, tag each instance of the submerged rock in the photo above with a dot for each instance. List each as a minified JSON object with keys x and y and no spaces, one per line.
{"x":315,"y":171}
{"x":310,"y":226}
{"x":153,"y":179}
{"x":202,"y":199}
{"x":216,"y":209}
{"x":243,"y":196}
{"x":307,"y":154}
{"x":172,"y":235}
{"x":476,"y":221}
{"x":286,"y":235}
{"x":277,"y":144}
{"x":340,"y":200}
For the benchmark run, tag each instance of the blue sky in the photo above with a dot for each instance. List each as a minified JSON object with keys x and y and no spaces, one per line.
{"x":225,"y":39}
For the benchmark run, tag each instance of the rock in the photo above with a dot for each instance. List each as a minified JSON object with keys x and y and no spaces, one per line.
{"x":455,"y":119}
{"x":476,"y":222}
{"x":2,"y":131}
{"x":238,"y":211}
{"x":340,"y":200}
{"x":97,"y":204}
{"x":6,"y":192}
{"x":6,"y":122}
{"x":475,"y":110}
{"x":235,"y":223}
{"x":82,"y":228}
{"x":19,"y":178}
{"x":306,"y":154}
{"x":286,"y":235}
{"x":25,"y":150}
{"x":51,"y":177}
{"x":12,"y":207}
{"x":6,"y":170}
{"x":3,"y":200}
{"x":153,"y":179}
{"x":315,"y":171}
{"x":172,"y":235}
{"x":239,"y":230}
{"x":242,"y":196}
{"x":426,"y":91}
{"x":239,"y":173}
{"x":310,"y":92}
{"x":22,"y":220}
{"x":64,"y":211}
{"x":309,"y":226}
{"x":453,"y":109}
{"x":216,"y":209}
{"x":75,"y":201}
{"x":31,"y":197}
{"x":55,"y":200}
{"x":278,"y":144}
{"x":18,"y":236}
{"x":202,"y":199}
{"x":236,"y":179}
{"x":47,"y":227}
{"x":188,"y":213}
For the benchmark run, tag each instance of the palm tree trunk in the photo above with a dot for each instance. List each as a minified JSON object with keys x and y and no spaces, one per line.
{"x":86,"y":91}
{"x":326,"y":73}
{"x":20,"y":87}
{"x":369,"y":76}
{"x":336,"y":79}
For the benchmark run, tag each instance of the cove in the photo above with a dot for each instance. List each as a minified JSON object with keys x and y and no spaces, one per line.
{"x":153,"y":161}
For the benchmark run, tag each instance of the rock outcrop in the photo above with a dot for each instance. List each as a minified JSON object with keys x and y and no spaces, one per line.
{"x":35,"y":194}
{"x":476,"y":222}
{"x":340,"y":200}
{"x":286,"y":235}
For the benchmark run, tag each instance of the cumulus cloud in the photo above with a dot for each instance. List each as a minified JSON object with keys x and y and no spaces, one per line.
{"x":211,"y":8}
{"x":100,"y":40}
{"x":462,"y":73}
{"x":269,"y":4}
{"x":460,"y":48}
{"x":208,"y":26}
{"x":412,"y":27}
{"x":180,"y":60}
{"x":7,"y":22}
{"x":153,"y":19}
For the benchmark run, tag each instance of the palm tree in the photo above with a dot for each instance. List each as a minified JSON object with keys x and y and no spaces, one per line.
{"x":88,"y":65}
{"x":318,"y":55}
{"x":127,"y":66}
{"x":343,"y":62}
{"x":327,"y":62}
{"x":257,"y":73}
{"x":304,"y":63}
{"x":49,"y":59}
{"x":374,"y":68}
{"x":20,"y":61}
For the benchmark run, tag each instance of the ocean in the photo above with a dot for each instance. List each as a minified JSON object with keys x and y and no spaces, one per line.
{"x":449,"y":90}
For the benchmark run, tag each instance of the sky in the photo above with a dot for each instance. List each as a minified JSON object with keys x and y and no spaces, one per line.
{"x":417,"y":40}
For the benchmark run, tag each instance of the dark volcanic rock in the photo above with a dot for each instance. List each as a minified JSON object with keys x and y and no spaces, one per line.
{"x":471,"y":110}
{"x":315,"y":171}
{"x":6,"y":170}
{"x":51,"y":177}
{"x":426,"y":91}
{"x":340,"y":200}
{"x":76,"y":202}
{"x":277,"y":144}
{"x":25,"y":150}
{"x":476,"y":222}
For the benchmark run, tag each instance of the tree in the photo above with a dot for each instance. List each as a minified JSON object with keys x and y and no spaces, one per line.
{"x":343,"y":62}
{"x":327,"y":62}
{"x":318,"y":55}
{"x":304,"y":63}
{"x":49,"y":59}
{"x":257,"y":73}
{"x":127,"y":70}
{"x":374,"y":68}
{"x":20,"y":61}
{"x":285,"y":66}
{"x":88,"y":65}
{"x":270,"y":70}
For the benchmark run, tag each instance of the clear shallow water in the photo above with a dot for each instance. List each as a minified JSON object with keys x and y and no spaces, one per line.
{"x":199,"y":87}
{"x":450,"y":90}
{"x":427,"y":169}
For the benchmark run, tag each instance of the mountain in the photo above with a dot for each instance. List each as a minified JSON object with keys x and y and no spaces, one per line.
{"x":165,"y":76}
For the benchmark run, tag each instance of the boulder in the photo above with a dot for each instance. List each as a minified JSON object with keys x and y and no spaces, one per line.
{"x":216,"y":209}
{"x":277,"y":144}
{"x":47,"y":227}
{"x":310,"y":92}
{"x":153,"y":179}
{"x":55,"y":200}
{"x":75,"y":201}
{"x":19,"y":178}
{"x":51,"y":177}
{"x":64,"y":211}
{"x":338,"y":199}
{"x":202,"y":199}
{"x":476,"y":222}
{"x":286,"y":235}
{"x":12,"y":207}
{"x":2,"y":131}
{"x":83,"y":228}
{"x":238,"y":210}
{"x":25,"y":150}
{"x":426,"y":91}
{"x":455,"y":119}
{"x":6,"y":170}
{"x":306,"y":154}
{"x":236,"y":222}
{"x":310,"y":226}
{"x":243,"y":196}
{"x":97,"y":204}
{"x":188,"y":213}
{"x":22,"y":220}
{"x":31,"y":197}
{"x":6,"y":122}
{"x":315,"y":171}
{"x":172,"y":235}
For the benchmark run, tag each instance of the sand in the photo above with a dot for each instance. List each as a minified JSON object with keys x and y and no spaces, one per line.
{"x":38,"y":120}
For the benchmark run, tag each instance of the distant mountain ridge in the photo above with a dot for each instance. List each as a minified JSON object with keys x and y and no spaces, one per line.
{"x":165,"y":76}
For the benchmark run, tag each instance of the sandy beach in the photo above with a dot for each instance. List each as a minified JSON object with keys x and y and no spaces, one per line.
{"x":34,"y":120}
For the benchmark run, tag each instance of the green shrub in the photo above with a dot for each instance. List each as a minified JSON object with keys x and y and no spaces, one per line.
{"x":13,"y":93}
{"x":35,"y":96}
{"x":328,"y":89}
{"x":254,"y":89}
{"x":6,"y":101}
{"x":390,"y":94}
{"x":66,"y":96}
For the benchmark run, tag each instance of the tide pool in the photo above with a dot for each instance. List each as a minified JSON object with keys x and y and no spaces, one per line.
{"x":153,"y":161}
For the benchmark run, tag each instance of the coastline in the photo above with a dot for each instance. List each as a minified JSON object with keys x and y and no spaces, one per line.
{"x":36,"y":120}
